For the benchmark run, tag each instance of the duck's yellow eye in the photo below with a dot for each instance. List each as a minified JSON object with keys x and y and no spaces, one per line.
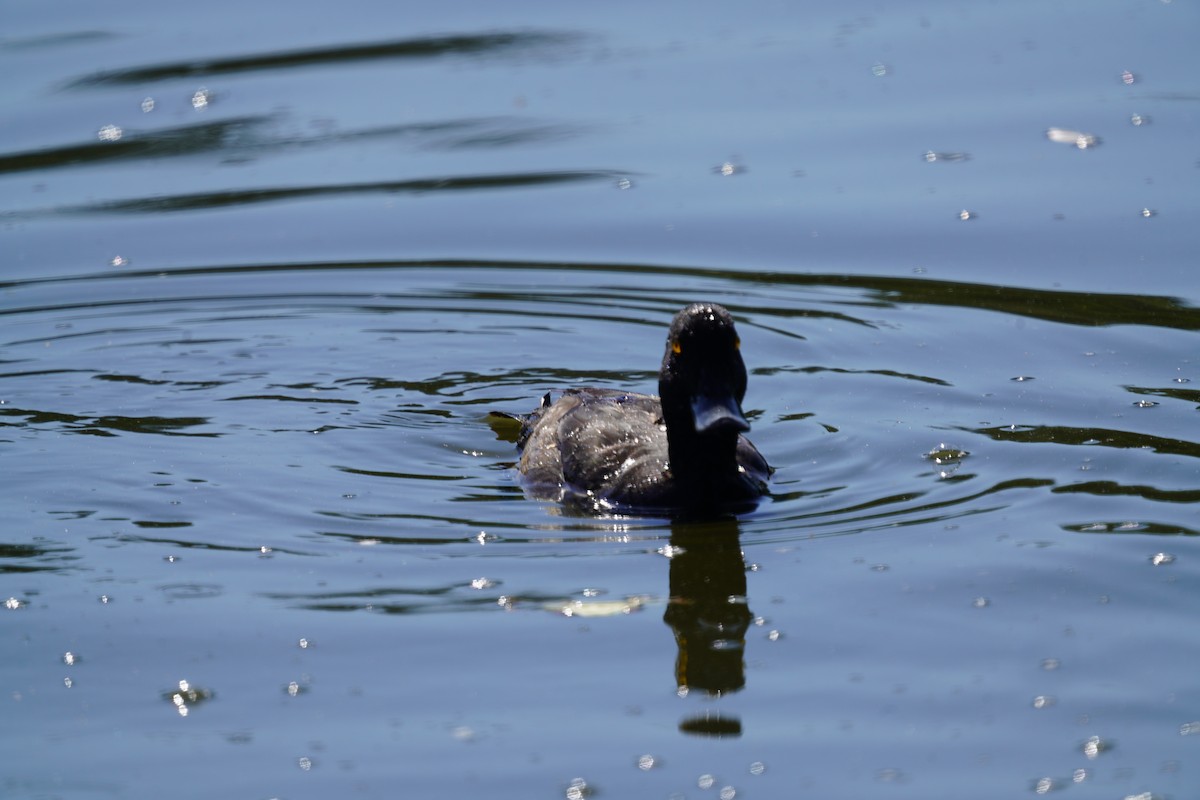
{"x":676,"y":348}
{"x":737,"y":344}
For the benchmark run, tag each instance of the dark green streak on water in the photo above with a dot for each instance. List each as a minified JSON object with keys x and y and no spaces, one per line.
{"x":1091,"y":437}
{"x":110,"y":425}
{"x":416,"y":48}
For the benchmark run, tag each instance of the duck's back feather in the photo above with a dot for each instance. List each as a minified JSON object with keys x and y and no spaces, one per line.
{"x":606,"y":447}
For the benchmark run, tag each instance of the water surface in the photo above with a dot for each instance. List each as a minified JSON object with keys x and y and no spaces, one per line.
{"x":261,"y":291}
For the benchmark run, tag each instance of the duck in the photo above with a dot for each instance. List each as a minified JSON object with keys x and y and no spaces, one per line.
{"x":682,"y":452}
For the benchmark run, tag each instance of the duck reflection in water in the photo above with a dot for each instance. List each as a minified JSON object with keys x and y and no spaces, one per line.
{"x":708,"y":609}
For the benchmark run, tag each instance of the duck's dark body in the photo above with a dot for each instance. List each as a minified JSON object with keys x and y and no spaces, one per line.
{"x":610,"y":450}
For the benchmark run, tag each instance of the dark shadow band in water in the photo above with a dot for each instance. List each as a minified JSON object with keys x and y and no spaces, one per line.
{"x":469,"y":45}
{"x":1090,"y":309}
{"x":110,"y":425}
{"x":1112,"y":488}
{"x":1089,"y":437}
{"x":243,"y":197}
{"x":1127,"y":527}
{"x":248,"y":137}
{"x":43,"y":556}
{"x":181,"y":141}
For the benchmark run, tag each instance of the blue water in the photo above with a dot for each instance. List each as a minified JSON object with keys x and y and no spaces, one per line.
{"x":262,"y":285}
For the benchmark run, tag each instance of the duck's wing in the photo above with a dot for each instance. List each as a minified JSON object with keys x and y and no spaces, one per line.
{"x":541,"y":458}
{"x":752,"y":463}
{"x":600,"y":444}
{"x":614,"y":449}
